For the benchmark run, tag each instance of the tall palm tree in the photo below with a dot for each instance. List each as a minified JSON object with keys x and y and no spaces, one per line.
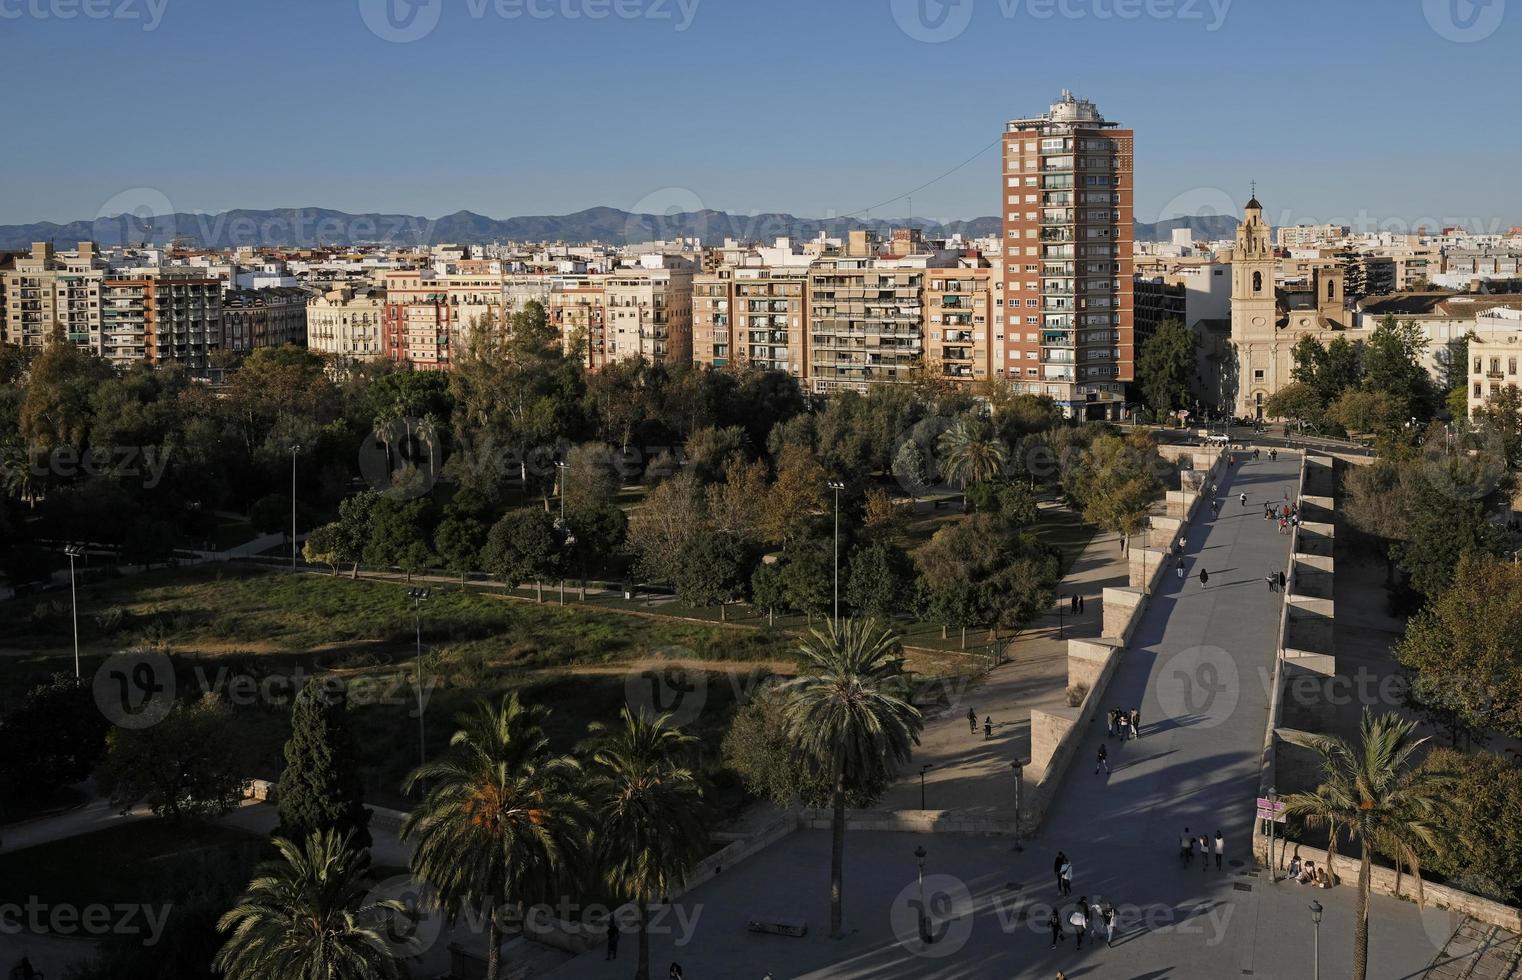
{"x":499,"y":823}
{"x":650,"y":829}
{"x":1376,"y":794}
{"x":845,"y":718}
{"x":971,"y":453}
{"x":305,"y":916}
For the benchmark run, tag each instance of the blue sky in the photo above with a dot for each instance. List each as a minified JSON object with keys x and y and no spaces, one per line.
{"x":1359,"y":110}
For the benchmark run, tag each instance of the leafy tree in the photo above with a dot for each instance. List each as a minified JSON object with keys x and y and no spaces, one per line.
{"x":879,"y":579}
{"x":648,"y":798}
{"x":54,"y":738}
{"x":1466,"y":646}
{"x":320,"y":787}
{"x":1446,"y":518}
{"x":716,"y":570}
{"x":1327,"y":370}
{"x":1480,"y":849}
{"x":308,"y":915}
{"x":798,"y":493}
{"x":1374,"y":793}
{"x":737,"y":505}
{"x":971,"y":453}
{"x":1499,"y":425}
{"x":710,"y":450}
{"x":1013,"y":505}
{"x":1374,"y":412}
{"x":911,"y":468}
{"x":591,"y":478}
{"x":1376,"y":500}
{"x":768,"y":588}
{"x":845,"y":721}
{"x":1296,"y":402}
{"x":1120,"y":483}
{"x":1166,"y":365}
{"x":399,"y":535}
{"x":324,"y":546}
{"x":1392,"y":361}
{"x":356,"y":516}
{"x":665,"y":526}
{"x":500,"y":823}
{"x":524,"y":546}
{"x":759,"y":749}
{"x":883,"y":515}
{"x":980,"y":571}
{"x":457,"y":542}
{"x":808,"y":575}
{"x":189,"y":765}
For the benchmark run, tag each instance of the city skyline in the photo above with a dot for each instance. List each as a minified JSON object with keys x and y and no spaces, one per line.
{"x":506,"y":111}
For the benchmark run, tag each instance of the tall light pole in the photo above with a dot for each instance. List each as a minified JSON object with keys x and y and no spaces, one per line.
{"x":837,"y":486}
{"x":919,"y":857}
{"x":74,"y":551}
{"x":295,"y":448}
{"x":417,"y":596}
{"x":1273,"y":868}
{"x":1316,"y":940}
{"x":923,"y":769}
{"x":1019,"y":767}
{"x":560,"y":465}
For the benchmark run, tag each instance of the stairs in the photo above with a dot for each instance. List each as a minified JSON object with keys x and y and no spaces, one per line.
{"x":1477,"y":951}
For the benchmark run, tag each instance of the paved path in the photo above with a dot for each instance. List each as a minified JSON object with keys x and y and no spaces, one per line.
{"x":970,"y":774}
{"x":1196,"y":669}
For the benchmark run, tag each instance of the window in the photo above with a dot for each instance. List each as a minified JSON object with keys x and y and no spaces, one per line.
{"x":1257,"y":374}
{"x":1257,"y":282}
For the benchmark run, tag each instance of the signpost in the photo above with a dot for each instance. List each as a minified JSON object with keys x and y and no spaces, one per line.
{"x":1271,"y":810}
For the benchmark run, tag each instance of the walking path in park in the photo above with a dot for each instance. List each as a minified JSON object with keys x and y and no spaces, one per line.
{"x":1198,"y":668}
{"x":970,"y":773}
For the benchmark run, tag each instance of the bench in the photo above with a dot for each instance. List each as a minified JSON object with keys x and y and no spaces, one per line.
{"x":775,"y":926}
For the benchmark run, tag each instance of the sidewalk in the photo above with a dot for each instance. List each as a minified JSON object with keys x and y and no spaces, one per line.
{"x":970,"y":774}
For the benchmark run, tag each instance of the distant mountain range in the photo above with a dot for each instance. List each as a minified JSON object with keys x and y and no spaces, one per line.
{"x":306,"y":227}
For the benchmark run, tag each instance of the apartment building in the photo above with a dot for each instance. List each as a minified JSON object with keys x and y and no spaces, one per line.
{"x":271,"y":317}
{"x":1069,"y":258}
{"x":959,"y":323}
{"x":428,"y":315}
{"x":750,"y":315}
{"x":647,"y":313}
{"x":1309,"y":236}
{"x":51,"y":294}
{"x":865,"y":320}
{"x":164,"y":317}
{"x":1493,"y":365}
{"x":346,"y":323}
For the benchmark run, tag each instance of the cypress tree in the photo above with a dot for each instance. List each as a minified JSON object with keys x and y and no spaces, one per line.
{"x":320,"y":788}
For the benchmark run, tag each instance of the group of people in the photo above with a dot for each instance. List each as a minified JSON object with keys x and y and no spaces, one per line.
{"x":1126,"y":724}
{"x":1190,"y":845}
{"x":1081,"y":918}
{"x":1075,"y":603}
{"x":1287,"y":514}
{"x":1309,"y":873}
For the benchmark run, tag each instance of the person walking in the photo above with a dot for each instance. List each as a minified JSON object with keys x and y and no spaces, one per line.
{"x":1066,"y":877}
{"x":1180,"y":569}
{"x":612,"y":952}
{"x":675,"y":973}
{"x":1204,"y":853}
{"x":1054,"y":923}
{"x":1185,"y":847}
{"x":1079,"y":922}
{"x":1271,"y":582}
{"x":1080,"y":604}
{"x":1102,"y":760}
{"x":972,"y":721}
{"x":988,"y":727}
{"x":1107,"y":915}
{"x":1282,"y":581}
{"x":1204,"y":578}
{"x":1123,"y":724}
{"x":1220,"y":849}
{"x":1136,"y":723}
{"x":1243,"y":498}
{"x":1215,"y":507}
{"x":1057,"y":863}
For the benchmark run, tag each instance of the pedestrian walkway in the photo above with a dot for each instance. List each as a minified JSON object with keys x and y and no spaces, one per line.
{"x":1196,"y":667}
{"x":970,"y":770}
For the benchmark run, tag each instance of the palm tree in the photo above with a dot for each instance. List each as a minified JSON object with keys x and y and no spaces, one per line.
{"x":499,"y":823}
{"x":1375,"y":794}
{"x":844,"y":717}
{"x":650,"y":829}
{"x":305,"y":916}
{"x":971,"y":453}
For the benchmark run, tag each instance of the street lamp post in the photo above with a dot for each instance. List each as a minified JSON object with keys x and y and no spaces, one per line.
{"x":1273,"y":867}
{"x":74,"y":551}
{"x":919,"y":857}
{"x":1316,"y":940}
{"x":295,"y":448}
{"x":837,"y":486}
{"x":923,"y":769}
{"x":561,"y":466}
{"x":1019,"y":768}
{"x":417,"y":596}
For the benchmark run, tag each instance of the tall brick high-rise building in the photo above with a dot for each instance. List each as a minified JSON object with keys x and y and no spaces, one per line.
{"x":1068,"y":329}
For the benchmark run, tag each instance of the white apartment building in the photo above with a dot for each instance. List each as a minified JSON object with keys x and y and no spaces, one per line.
{"x":54,"y":294}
